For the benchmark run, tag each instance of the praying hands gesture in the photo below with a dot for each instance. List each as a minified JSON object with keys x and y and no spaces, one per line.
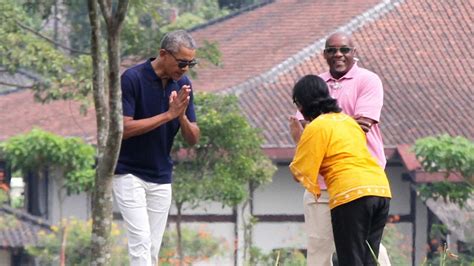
{"x":296,"y":128}
{"x":179,"y":101}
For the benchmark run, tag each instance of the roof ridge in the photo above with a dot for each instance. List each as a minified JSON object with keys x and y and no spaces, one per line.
{"x":357,"y":22}
{"x":21,"y":214}
{"x":231,"y":15}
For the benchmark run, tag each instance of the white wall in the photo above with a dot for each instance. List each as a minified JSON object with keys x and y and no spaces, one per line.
{"x":400,"y":202}
{"x":75,"y":205}
{"x":421,"y":223}
{"x":282,"y":196}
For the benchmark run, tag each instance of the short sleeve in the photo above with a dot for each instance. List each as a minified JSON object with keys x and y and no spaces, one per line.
{"x":128,"y":95}
{"x":309,"y":155}
{"x":370,"y":97}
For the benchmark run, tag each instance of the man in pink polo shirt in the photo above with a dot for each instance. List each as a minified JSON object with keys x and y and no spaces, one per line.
{"x":359,"y":93}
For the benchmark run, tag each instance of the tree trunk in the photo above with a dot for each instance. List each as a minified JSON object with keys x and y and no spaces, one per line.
{"x":109,"y":124}
{"x":248,"y":224}
{"x":179,"y":237}
{"x":62,"y":255}
{"x":101,"y":218}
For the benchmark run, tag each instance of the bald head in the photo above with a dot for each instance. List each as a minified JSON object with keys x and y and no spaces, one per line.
{"x":339,"y":37}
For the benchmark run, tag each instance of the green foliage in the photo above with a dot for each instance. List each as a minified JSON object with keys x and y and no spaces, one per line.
{"x":227,"y":158}
{"x":143,"y":31}
{"x":9,"y":222}
{"x":440,"y":254}
{"x":447,"y":154}
{"x":278,"y":257}
{"x":61,"y":74}
{"x":445,"y":257}
{"x":197,"y":246}
{"x":210,"y":52}
{"x":58,"y":75}
{"x":147,"y":22}
{"x":453,"y":192}
{"x":3,"y":196}
{"x":206,"y":9}
{"x":78,"y":234}
{"x":38,"y":150}
{"x":397,"y":245}
{"x":42,"y":8}
{"x":18,"y":202}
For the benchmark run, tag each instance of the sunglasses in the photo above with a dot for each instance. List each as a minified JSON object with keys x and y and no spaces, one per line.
{"x":343,"y":50}
{"x":183,"y":63}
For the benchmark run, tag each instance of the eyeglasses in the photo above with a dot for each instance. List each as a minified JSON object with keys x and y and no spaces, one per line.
{"x":333,"y":50}
{"x":183,"y":63}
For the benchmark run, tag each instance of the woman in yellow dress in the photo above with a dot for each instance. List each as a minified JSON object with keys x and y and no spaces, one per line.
{"x":334,"y":145}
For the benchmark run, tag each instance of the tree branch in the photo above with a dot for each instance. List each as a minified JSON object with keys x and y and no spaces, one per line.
{"x":49,"y":40}
{"x":16,"y":85}
{"x":105,"y":7}
{"x":121,"y":11}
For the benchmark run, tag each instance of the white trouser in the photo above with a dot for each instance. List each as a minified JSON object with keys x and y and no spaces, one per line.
{"x":317,"y":219}
{"x":144,"y":207}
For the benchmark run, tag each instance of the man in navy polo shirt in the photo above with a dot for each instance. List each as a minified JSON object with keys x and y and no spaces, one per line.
{"x":157,"y":101}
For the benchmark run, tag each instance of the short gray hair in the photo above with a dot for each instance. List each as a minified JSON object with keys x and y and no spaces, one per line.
{"x":173,"y":40}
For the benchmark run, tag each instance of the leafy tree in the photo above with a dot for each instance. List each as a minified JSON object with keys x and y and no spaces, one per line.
{"x":226,"y":161}
{"x":448,"y":155}
{"x":62,"y":72}
{"x":56,"y":74}
{"x":39,"y":151}
{"x":147,"y":22}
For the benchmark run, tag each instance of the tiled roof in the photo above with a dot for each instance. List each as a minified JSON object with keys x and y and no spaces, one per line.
{"x":459,"y":221}
{"x":18,"y":228}
{"x":20,"y":113}
{"x":10,"y":82}
{"x":417,"y":174}
{"x":256,"y":41}
{"x":419,"y":50}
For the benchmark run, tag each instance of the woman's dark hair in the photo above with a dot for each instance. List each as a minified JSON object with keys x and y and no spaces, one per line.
{"x":311,"y":94}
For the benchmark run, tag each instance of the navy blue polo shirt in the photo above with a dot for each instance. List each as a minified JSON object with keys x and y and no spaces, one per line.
{"x":148,"y":155}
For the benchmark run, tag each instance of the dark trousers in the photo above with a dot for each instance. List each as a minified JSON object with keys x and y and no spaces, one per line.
{"x":356,"y":222}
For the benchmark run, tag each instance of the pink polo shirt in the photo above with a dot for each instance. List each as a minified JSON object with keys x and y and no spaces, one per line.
{"x":360,"y":92}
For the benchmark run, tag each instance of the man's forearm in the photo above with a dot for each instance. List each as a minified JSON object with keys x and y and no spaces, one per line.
{"x":132,"y":128}
{"x":189,"y":130}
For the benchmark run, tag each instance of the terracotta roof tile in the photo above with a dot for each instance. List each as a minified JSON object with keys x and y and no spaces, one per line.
{"x":417,"y":49}
{"x":256,"y":41}
{"x":20,"y":114}
{"x":18,"y":228}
